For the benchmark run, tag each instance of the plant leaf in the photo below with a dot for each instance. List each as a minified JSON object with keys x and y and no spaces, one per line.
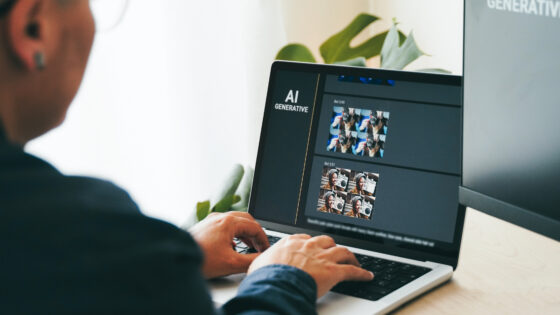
{"x":231,"y":183}
{"x":395,"y":56}
{"x":244,"y":190}
{"x":224,"y":205}
{"x":356,"y":62}
{"x":202,"y":209}
{"x":295,"y":52}
{"x":337,"y":47}
{"x":240,"y":209}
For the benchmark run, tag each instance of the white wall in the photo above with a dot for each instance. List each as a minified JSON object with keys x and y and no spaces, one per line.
{"x":162,"y":108}
{"x":437,"y":26}
{"x":173,"y":97}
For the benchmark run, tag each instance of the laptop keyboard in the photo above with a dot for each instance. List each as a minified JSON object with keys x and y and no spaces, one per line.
{"x":388,"y":275}
{"x":242,"y":248}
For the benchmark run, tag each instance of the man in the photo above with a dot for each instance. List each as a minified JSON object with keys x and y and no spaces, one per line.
{"x":81,"y":245}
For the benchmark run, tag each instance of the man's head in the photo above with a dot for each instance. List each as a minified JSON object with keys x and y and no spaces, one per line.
{"x":44,"y":48}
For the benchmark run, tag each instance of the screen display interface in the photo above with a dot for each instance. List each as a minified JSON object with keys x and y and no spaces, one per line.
{"x":366,"y":157}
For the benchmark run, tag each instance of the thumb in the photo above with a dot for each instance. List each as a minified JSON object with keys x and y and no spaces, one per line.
{"x":242,"y":261}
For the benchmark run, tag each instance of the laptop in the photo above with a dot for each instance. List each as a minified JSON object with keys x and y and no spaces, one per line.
{"x":371,"y":158}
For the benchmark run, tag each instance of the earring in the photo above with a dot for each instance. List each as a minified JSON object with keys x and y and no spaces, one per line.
{"x":39,"y":58}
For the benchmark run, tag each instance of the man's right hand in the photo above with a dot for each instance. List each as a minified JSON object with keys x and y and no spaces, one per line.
{"x":319,"y":256}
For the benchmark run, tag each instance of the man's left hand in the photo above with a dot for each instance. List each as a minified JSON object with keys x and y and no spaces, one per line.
{"x":215,"y":235}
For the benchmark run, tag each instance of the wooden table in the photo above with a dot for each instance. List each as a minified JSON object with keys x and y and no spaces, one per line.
{"x":503,"y":269}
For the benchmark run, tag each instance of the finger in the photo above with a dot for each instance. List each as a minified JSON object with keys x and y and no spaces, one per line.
{"x":241,"y":214}
{"x":296,"y":237}
{"x":340,"y":255}
{"x":251,"y":231}
{"x":353,"y":273}
{"x":247,"y":242}
{"x":323,"y":241}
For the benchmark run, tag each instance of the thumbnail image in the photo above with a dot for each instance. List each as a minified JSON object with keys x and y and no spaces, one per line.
{"x":335,"y":179}
{"x":347,"y":192}
{"x":360,"y":132}
{"x":331,"y":201}
{"x":363,"y":183}
{"x":359,"y":206}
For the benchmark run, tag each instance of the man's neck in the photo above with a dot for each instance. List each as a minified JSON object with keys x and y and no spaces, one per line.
{"x":4,"y":138}
{"x":1,"y":131}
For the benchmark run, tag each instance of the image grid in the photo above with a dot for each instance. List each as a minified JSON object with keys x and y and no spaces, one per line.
{"x":347,"y":192}
{"x":360,"y":132}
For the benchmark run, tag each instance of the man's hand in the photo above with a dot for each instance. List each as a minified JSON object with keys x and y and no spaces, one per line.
{"x":319,"y":256}
{"x":215,"y":236}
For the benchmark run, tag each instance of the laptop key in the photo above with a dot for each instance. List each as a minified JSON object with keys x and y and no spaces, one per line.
{"x":273,"y":239}
{"x":394,"y":264}
{"x":251,"y":251}
{"x":417,"y":270}
{"x":243,"y":248}
{"x":391,"y":270}
{"x":378,"y":261}
{"x":378,"y":290}
{"x":375,"y":268}
{"x":411,"y":276}
{"x":373,"y":296}
{"x":388,"y":277}
{"x":402,"y":281}
{"x":241,"y":245}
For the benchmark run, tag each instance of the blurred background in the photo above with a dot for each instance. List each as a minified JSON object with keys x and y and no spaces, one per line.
{"x":173,"y":95}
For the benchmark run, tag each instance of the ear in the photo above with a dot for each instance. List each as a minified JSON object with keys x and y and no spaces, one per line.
{"x":27,"y":27}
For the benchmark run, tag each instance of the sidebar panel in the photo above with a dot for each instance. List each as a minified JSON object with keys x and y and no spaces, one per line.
{"x":287,"y":134}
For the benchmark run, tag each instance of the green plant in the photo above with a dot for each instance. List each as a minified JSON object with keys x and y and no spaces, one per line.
{"x":233,"y":197}
{"x":396,"y":49}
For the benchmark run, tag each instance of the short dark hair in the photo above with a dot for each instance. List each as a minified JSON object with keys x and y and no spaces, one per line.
{"x":6,"y":6}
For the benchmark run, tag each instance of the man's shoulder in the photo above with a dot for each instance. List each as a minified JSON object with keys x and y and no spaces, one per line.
{"x":27,"y":181}
{"x":36,"y":199}
{"x":39,"y":202}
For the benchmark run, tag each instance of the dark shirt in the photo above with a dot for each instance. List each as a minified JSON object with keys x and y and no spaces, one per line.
{"x":73,"y":244}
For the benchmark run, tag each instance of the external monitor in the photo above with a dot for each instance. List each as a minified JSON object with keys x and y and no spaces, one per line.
{"x":511,"y":127}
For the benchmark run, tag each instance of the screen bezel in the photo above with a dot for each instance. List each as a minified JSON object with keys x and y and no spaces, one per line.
{"x":450,"y":255}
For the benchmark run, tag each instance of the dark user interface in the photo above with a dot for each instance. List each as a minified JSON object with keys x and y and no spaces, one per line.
{"x":361,"y":156}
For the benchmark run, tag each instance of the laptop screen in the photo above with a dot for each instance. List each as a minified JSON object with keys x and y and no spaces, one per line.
{"x":363,"y":154}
